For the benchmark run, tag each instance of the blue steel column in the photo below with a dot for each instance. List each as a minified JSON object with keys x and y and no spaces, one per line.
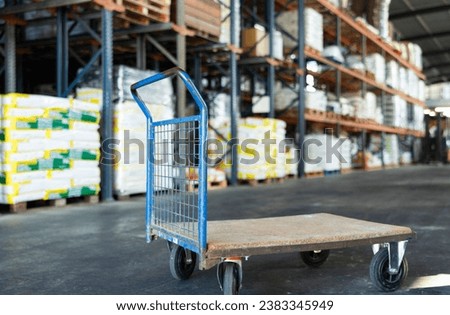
{"x":107,"y":112}
{"x":62,"y":52}
{"x":10,"y":58}
{"x":301,"y":126}
{"x":234,"y":108}
{"x":141,"y":52}
{"x":270,"y":15}
{"x":198,"y":71}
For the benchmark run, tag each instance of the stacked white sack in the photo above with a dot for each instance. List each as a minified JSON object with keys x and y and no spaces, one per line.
{"x":257,"y":160}
{"x":313,"y":22}
{"x":130,"y":125}
{"x":49,"y":148}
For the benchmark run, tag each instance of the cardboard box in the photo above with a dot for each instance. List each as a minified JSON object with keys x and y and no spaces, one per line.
{"x":255,"y":42}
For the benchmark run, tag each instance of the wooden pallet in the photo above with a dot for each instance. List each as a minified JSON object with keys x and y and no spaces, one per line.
{"x":278,"y":180}
{"x":27,"y":205}
{"x":201,"y":16}
{"x":217,"y":185}
{"x":317,"y":174}
{"x":380,"y":168}
{"x":309,"y":49}
{"x":254,"y":182}
{"x":345,"y":171}
{"x":315,"y":112}
{"x":332,"y":173}
{"x":142,"y":12}
{"x":125,"y":196}
{"x":191,"y":187}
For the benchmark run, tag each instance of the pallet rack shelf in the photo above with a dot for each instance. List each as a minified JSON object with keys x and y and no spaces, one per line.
{"x":361,"y":77}
{"x":349,"y":123}
{"x":375,"y":42}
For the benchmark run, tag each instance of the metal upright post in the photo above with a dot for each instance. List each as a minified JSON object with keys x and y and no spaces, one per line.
{"x":234,"y":108}
{"x":270,"y":16}
{"x":338,"y":88}
{"x":198,"y":71}
{"x":107,"y":112}
{"x":181,"y":58}
{"x":383,"y":110}
{"x":439,"y":137}
{"x":141,"y":52}
{"x":301,"y":126}
{"x":62,"y":52}
{"x":363,"y":59}
{"x":364,"y":140}
{"x":426,"y":143}
{"x":383,"y":134}
{"x":10,"y":58}
{"x":338,"y":72}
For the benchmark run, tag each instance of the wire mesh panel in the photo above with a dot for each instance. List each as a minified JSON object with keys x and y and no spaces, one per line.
{"x":175,"y":171}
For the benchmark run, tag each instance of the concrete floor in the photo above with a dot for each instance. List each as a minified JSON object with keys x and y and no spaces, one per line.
{"x":101,"y":249}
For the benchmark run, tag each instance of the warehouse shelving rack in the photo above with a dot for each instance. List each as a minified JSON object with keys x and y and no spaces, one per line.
{"x":348,"y":32}
{"x":103,"y":49}
{"x":171,"y":43}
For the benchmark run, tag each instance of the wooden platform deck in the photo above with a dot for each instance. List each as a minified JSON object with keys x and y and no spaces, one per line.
{"x":241,"y":238}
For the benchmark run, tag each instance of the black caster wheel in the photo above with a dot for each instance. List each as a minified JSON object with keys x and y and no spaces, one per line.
{"x":379,"y":272}
{"x":316,"y":258}
{"x":230,"y":279}
{"x":181,"y":265}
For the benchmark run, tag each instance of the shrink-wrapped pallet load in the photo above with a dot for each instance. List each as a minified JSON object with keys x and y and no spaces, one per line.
{"x":316,"y":100}
{"x":50,"y":148}
{"x":347,"y":108}
{"x":403,"y":80}
{"x":257,"y":160}
{"x":391,"y":150}
{"x":285,"y":97}
{"x":130,"y":123}
{"x":317,"y":156}
{"x":438,"y":91}
{"x":365,"y":107}
{"x":313,"y":22}
{"x":292,"y":160}
{"x":421,"y":92}
{"x":396,"y":112}
{"x":392,"y":74}
{"x":414,"y":55}
{"x":413,"y":84}
{"x":381,"y":17}
{"x":418,"y":122}
{"x":376,"y":64}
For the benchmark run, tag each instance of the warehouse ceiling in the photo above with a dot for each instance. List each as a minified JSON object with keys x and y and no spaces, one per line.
{"x":426,"y":23}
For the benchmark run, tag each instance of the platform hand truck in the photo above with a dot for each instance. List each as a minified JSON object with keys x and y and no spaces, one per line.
{"x":177,"y":159}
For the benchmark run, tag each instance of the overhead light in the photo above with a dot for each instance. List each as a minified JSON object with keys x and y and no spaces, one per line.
{"x":432,"y":114}
{"x":426,"y":111}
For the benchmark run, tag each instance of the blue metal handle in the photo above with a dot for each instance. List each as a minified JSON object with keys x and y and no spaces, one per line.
{"x":161,"y":76}
{"x":202,"y":118}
